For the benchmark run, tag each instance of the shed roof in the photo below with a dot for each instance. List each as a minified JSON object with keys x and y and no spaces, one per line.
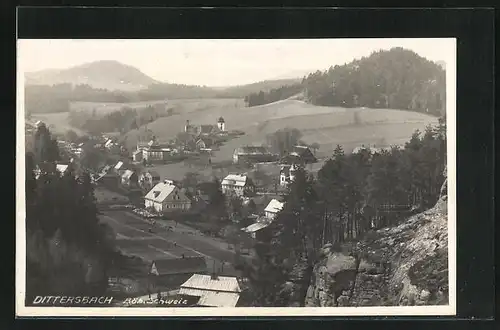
{"x":274,"y":206}
{"x":127,"y":174}
{"x":255,"y":227}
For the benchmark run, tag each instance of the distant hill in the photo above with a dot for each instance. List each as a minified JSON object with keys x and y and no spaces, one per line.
{"x":110,"y":75}
{"x":265,"y":86}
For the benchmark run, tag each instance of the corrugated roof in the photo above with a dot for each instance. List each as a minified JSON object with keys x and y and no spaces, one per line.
{"x":205,"y":282}
{"x":274,"y":206}
{"x":180,"y":266}
{"x":213,"y":298}
{"x":161,"y":191}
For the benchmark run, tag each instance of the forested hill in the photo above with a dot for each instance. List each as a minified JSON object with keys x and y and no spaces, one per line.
{"x":395,"y":79}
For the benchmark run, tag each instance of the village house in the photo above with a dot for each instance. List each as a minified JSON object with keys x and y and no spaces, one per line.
{"x":213,"y":290}
{"x":287,"y":174}
{"x":119,"y":168}
{"x":252,"y":154}
{"x":108,"y":177}
{"x":129,"y":179}
{"x":173,"y":272}
{"x":149,"y":179}
{"x":299,"y":155}
{"x":62,"y":168}
{"x":204,"y":143}
{"x":153,"y":151}
{"x":273,"y":208}
{"x":239,"y":185}
{"x":258,"y":230}
{"x":373,"y":150}
{"x":166,"y":197}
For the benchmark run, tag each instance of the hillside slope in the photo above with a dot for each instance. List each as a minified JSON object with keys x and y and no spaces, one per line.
{"x":327,"y":126}
{"x":405,"y":265}
{"x":110,"y":75}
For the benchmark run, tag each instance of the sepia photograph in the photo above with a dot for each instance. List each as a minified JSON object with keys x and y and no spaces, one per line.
{"x":236,"y":177}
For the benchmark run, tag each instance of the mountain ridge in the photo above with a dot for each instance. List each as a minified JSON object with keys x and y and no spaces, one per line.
{"x":104,"y":74}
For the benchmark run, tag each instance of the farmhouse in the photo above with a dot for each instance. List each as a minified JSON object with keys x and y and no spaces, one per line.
{"x":213,"y":290}
{"x":287,"y":174}
{"x":173,"y":272}
{"x":129,"y":178}
{"x":299,"y":155}
{"x":153,"y":151}
{"x":240,"y":185}
{"x":273,"y":208}
{"x":252,"y":154}
{"x":165,"y":197}
{"x":149,"y":179}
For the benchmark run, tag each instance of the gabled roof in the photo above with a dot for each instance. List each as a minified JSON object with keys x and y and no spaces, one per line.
{"x":207,"y":129}
{"x":179,"y":266}
{"x":255,"y":227}
{"x":212,"y":298}
{"x":206,"y":282}
{"x":127,"y":174}
{"x":235,"y":180}
{"x":160,"y":191}
{"x":118,"y":165}
{"x":274,"y":206}
{"x":61,"y":168}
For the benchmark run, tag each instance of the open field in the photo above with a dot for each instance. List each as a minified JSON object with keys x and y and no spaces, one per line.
{"x":327,"y":126}
{"x":133,"y":239}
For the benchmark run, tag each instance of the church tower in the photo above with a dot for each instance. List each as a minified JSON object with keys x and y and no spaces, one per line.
{"x":221,"y":124}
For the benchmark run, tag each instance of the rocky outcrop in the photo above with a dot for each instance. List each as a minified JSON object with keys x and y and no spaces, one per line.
{"x":402,"y":265}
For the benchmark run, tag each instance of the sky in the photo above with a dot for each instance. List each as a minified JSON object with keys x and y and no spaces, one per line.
{"x":218,"y":62}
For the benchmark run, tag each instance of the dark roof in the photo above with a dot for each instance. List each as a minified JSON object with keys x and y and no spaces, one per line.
{"x":208,"y":142}
{"x":220,"y":120}
{"x":206,"y":129}
{"x":180,"y":265}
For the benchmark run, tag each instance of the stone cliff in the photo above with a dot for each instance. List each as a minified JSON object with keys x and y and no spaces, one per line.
{"x":402,"y":265}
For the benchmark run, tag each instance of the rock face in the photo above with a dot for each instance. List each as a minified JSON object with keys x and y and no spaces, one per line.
{"x":402,"y":265}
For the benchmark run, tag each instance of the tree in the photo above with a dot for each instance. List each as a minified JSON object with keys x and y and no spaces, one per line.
{"x":71,"y":136}
{"x":315,"y":147}
{"x":283,"y":141}
{"x":217,"y":203}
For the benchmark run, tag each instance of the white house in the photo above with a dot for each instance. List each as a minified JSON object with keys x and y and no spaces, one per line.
{"x":287,"y":174}
{"x":129,"y":178}
{"x":165,"y":197}
{"x":237,"y":184}
{"x":273,"y":208}
{"x":214,"y":291}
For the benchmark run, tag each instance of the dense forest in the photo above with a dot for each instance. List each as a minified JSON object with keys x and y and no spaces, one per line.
{"x":395,"y":79}
{"x":275,"y":94}
{"x":351,"y":196}
{"x":121,"y":121}
{"x":68,"y":249}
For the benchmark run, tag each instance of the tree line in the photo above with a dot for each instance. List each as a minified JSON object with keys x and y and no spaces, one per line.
{"x":352,"y":195}
{"x":68,"y":249}
{"x":394,"y":79}
{"x":275,"y":94}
